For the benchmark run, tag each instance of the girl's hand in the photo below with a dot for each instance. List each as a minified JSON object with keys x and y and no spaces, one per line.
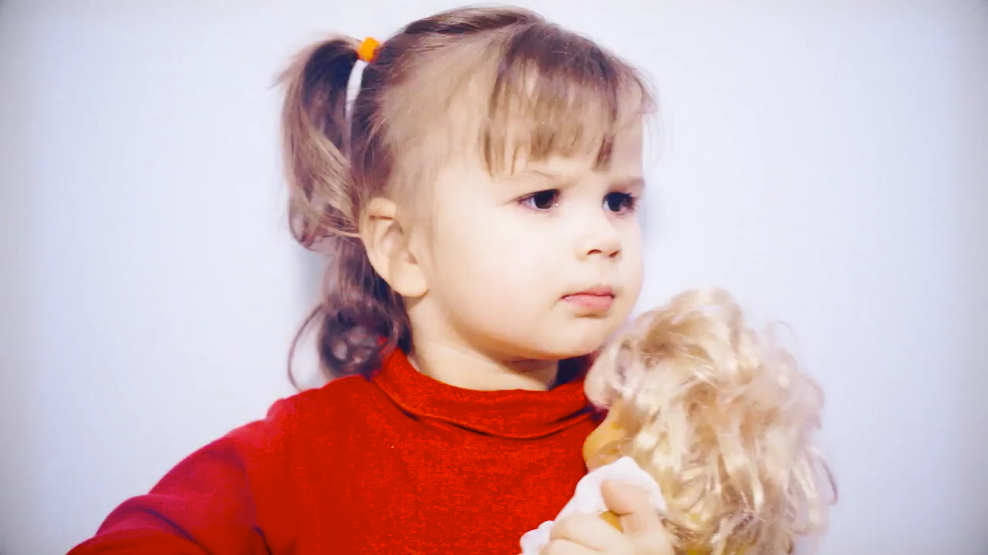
{"x":581,"y":534}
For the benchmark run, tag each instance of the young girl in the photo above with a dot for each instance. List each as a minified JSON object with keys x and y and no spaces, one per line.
{"x":477,"y":201}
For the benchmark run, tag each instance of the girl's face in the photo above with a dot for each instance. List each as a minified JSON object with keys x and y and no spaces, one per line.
{"x":543,"y":265}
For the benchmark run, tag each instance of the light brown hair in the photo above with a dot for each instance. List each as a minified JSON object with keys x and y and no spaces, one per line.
{"x":503,"y":79}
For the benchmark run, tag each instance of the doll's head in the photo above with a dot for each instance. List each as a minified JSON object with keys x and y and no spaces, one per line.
{"x":484,"y":172}
{"x":723,"y":419}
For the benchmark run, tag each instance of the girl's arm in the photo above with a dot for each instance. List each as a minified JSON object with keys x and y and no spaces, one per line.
{"x":208,"y":503}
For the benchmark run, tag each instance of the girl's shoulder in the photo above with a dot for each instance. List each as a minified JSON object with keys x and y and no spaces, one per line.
{"x":307,"y":423}
{"x":215,"y":499}
{"x":325,"y":409}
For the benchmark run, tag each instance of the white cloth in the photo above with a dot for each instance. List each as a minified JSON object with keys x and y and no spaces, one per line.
{"x":588,"y":500}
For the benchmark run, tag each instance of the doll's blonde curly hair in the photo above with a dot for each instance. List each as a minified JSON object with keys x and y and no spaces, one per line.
{"x":724,"y":420}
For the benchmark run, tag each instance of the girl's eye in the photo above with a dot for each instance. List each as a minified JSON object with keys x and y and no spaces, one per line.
{"x":620,"y":202}
{"x":542,"y":200}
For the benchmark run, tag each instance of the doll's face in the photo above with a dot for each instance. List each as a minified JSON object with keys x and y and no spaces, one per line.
{"x":600,"y":448}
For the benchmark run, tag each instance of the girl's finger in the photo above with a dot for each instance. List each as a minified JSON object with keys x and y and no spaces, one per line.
{"x":588,"y":532}
{"x":638,"y":517}
{"x":566,"y":547}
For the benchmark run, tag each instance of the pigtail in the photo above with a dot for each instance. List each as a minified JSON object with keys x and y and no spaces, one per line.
{"x":360,"y":317}
{"x":315,"y":136}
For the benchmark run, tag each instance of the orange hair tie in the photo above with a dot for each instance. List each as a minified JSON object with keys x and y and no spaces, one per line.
{"x":367,"y":49}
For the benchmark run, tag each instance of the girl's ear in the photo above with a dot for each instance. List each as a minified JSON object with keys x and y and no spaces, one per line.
{"x":387,"y":249}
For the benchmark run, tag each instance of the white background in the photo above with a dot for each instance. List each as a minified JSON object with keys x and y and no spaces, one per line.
{"x":825,"y":160}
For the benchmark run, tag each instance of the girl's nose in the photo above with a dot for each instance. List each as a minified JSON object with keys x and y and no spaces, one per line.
{"x":600,"y":238}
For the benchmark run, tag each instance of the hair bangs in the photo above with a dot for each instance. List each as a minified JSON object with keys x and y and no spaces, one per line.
{"x":558,"y":94}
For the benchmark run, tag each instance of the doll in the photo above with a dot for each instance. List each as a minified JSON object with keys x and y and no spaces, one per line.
{"x":716,"y":422}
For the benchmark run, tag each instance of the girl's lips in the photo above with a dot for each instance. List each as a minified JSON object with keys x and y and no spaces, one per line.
{"x":592,"y":301}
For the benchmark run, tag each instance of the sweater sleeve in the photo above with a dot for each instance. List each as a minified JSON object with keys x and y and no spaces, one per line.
{"x":207,"y":504}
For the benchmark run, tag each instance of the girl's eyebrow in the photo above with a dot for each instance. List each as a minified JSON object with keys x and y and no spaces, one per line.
{"x":540,"y":174}
{"x":531,"y":174}
{"x":636,"y":183}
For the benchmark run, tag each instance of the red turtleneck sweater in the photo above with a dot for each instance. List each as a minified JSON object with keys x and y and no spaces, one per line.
{"x":400,"y":463}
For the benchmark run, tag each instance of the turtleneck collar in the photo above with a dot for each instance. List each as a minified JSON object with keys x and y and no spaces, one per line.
{"x":512,"y":414}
